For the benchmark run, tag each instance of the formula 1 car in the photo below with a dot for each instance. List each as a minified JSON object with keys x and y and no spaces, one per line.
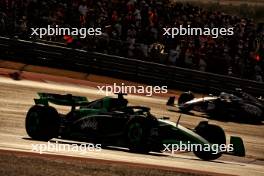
{"x":111,"y":122}
{"x":239,"y":106}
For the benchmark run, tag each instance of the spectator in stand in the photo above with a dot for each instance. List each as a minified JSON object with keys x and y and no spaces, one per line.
{"x":3,"y":23}
{"x":134,"y":28}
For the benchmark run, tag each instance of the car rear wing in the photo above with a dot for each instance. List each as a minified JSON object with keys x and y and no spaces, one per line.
{"x":58,"y":99}
{"x":171,"y":101}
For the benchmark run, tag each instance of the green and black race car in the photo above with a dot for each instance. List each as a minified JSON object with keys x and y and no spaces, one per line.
{"x":110,"y":121}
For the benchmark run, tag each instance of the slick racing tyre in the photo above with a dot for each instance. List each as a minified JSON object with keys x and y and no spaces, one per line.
{"x":252,"y":113}
{"x":137,"y":133}
{"x":42,"y":122}
{"x":213,"y":134}
{"x":185,"y":97}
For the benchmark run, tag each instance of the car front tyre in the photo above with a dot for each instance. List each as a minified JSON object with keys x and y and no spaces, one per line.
{"x":214,"y":135}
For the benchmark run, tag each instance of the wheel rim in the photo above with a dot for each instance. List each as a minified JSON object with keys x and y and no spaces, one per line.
{"x":135,"y":133}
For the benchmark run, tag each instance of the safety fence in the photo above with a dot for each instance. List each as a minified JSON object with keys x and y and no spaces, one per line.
{"x":44,"y":54}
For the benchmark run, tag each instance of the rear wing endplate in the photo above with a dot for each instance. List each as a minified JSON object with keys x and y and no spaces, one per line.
{"x":58,"y":99}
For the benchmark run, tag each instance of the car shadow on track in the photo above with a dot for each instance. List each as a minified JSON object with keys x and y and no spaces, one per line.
{"x":121,"y":149}
{"x":112,"y":148}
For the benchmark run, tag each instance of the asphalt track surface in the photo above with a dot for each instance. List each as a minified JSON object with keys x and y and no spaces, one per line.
{"x":16,"y":97}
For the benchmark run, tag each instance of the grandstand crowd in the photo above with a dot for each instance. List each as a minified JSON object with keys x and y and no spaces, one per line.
{"x":134,"y":29}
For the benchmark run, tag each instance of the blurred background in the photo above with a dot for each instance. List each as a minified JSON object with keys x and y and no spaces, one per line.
{"x":134,"y":28}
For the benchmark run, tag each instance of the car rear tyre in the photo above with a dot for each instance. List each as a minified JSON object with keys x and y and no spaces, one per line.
{"x":252,"y":113}
{"x":213,"y":134}
{"x":185,"y":97}
{"x":42,"y":122}
{"x":137,"y":133}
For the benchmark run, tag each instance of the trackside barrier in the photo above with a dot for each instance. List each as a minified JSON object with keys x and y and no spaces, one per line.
{"x":37,"y":53}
